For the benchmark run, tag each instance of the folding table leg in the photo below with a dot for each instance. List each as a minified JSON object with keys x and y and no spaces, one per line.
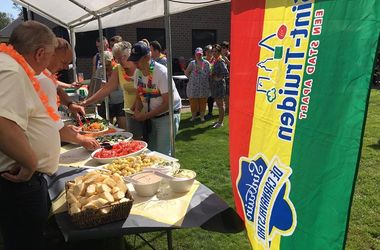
{"x":146,"y":242}
{"x":169,"y":239}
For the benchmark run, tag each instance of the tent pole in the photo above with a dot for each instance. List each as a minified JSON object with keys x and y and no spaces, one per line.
{"x":170,"y":74}
{"x":29,"y":13}
{"x":106,"y":101}
{"x":72,"y":42}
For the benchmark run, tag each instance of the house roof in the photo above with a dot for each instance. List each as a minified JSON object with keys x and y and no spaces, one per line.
{"x":6,"y":32}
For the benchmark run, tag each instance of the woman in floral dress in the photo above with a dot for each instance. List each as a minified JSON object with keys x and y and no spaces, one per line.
{"x":198,"y":87}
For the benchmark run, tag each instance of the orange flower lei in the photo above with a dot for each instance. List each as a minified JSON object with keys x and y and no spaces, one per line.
{"x":9,"y":50}
{"x":113,"y":64}
{"x":126,"y":76}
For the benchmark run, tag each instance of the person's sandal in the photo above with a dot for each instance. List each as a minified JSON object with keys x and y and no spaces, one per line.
{"x":218,"y":125}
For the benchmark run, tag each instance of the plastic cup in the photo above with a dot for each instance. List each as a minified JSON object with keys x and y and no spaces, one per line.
{"x":80,"y":77}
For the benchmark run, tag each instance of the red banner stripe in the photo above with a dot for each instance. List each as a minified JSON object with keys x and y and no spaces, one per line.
{"x":244,"y":44}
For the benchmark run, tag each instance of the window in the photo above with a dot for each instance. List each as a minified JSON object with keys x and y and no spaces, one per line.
{"x":59,"y":31}
{"x":201,"y":38}
{"x":152,"y":35}
{"x":85,"y":42}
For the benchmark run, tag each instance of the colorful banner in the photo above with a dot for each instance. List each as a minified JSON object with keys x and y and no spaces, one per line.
{"x":300,"y":76}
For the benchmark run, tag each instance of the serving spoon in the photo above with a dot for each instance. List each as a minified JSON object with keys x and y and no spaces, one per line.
{"x":161,"y":174}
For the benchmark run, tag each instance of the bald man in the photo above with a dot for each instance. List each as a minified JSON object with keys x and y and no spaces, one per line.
{"x":29,"y":139}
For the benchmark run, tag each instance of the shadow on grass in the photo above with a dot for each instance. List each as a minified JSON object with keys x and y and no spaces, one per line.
{"x":189,"y":129}
{"x":375,"y":146}
{"x":189,"y":134}
{"x":186,"y":123}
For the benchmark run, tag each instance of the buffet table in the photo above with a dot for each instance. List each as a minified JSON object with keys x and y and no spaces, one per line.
{"x":181,"y":83}
{"x":167,"y":210}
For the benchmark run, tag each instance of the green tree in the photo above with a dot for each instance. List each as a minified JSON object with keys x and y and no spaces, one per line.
{"x":18,"y":8}
{"x":5,"y":19}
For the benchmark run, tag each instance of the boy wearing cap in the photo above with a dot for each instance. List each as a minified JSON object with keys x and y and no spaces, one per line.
{"x":152,"y":102}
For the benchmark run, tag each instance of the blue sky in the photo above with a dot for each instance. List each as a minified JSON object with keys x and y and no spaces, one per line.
{"x":6,"y":6}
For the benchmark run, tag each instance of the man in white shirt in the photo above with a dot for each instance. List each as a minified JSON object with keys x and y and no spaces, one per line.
{"x":62,"y":58}
{"x":29,"y":139}
{"x":151,"y":82}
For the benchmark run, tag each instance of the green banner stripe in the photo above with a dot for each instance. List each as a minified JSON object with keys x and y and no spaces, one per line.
{"x":327,"y":142}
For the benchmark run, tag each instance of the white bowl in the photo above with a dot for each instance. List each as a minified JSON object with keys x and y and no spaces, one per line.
{"x":183,"y":184}
{"x":127,"y":135}
{"x":109,"y":160}
{"x":149,"y":183}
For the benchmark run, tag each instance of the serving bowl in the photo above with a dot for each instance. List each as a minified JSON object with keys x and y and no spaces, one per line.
{"x":145,"y":183}
{"x":114,"y":138}
{"x":105,"y":159}
{"x":184,"y":182}
{"x":110,"y":139}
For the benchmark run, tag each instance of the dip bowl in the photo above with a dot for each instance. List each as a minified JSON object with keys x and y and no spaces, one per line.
{"x":146,"y":183}
{"x":183,"y":181}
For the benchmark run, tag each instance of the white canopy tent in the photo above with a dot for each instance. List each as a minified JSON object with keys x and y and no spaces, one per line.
{"x":81,"y":15}
{"x":88,"y":15}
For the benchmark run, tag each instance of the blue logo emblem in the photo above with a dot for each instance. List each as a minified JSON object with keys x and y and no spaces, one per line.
{"x":264,"y":189}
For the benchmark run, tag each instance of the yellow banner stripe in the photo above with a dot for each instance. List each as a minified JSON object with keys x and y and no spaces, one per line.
{"x":277,"y":95}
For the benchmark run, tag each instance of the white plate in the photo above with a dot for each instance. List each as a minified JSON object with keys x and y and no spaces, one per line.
{"x":109,"y":160}
{"x":162,"y":156}
{"x":98,"y":132}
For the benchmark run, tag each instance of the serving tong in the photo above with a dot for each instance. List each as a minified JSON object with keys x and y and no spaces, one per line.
{"x":85,"y":119}
{"x":106,"y":145}
{"x":158,"y":172}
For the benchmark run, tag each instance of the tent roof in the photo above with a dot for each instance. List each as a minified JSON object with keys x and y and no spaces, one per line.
{"x":81,"y":14}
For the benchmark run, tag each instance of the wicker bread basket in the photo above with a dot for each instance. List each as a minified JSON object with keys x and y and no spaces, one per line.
{"x":95,"y":217}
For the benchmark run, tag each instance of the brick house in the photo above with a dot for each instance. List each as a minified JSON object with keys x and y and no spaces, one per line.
{"x":189,"y":30}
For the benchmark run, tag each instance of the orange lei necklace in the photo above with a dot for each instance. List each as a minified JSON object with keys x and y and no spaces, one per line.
{"x":126,"y":76}
{"x":9,"y":50}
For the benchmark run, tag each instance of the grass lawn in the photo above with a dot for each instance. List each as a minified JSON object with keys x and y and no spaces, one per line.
{"x":364,"y":228}
{"x":205,"y":150}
